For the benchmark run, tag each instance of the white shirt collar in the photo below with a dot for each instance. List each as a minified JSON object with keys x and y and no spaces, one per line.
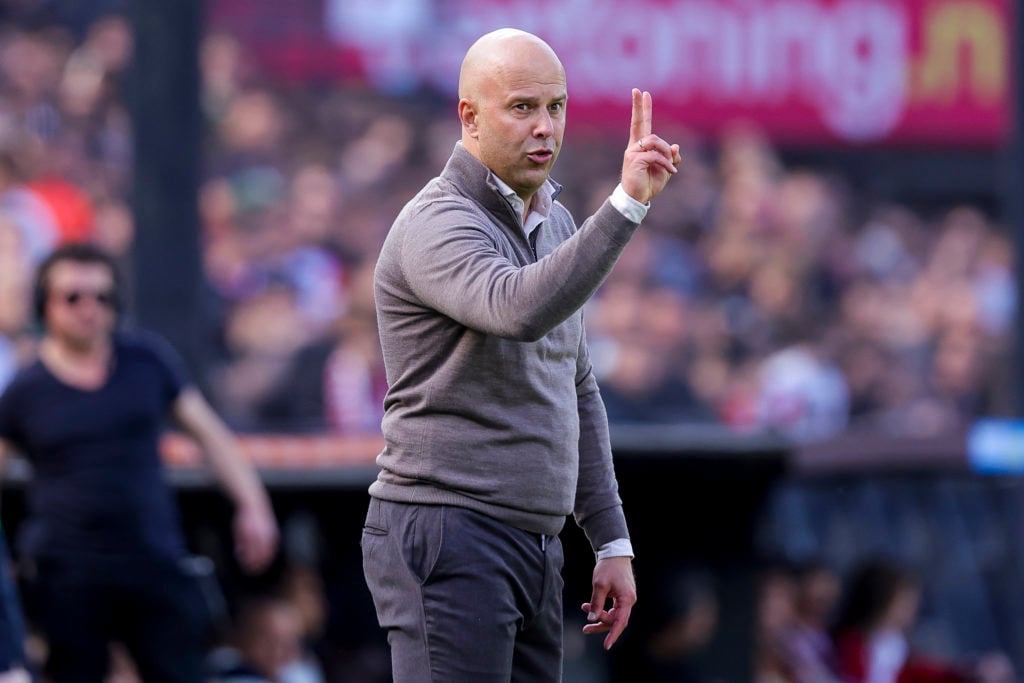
{"x":540,"y":207}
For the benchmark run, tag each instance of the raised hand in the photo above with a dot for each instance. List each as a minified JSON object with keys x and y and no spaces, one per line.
{"x":649,"y":161}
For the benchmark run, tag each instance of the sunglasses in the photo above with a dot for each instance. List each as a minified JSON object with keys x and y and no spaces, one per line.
{"x":75,"y":297}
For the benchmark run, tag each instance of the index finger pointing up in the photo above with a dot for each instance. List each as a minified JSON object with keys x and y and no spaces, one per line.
{"x":640,"y":125}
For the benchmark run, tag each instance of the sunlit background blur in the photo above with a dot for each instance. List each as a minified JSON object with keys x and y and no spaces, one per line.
{"x":808,"y":353}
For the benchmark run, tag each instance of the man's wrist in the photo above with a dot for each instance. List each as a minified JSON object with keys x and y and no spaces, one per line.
{"x":627,"y":206}
{"x":620,"y":547}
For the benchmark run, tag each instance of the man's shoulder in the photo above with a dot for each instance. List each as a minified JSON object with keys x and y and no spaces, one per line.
{"x":144,"y":346}
{"x":139,"y":340}
{"x":560,"y":213}
{"x":437,"y":208}
{"x":25,"y":378}
{"x":439,"y":194}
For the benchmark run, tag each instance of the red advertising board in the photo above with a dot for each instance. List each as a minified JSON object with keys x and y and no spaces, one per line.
{"x":848,"y":72}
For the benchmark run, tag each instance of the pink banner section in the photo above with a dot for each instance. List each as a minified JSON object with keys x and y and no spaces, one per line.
{"x":839,"y":72}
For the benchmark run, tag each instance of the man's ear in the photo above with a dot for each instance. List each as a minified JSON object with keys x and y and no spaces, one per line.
{"x":467,"y":115}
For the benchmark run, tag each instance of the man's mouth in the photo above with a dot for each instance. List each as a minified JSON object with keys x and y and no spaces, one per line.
{"x":540,"y":156}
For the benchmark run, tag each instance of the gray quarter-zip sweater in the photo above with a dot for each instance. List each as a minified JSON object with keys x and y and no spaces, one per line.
{"x":492,"y":403}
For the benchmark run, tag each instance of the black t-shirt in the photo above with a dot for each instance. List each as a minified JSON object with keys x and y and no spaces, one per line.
{"x":98,"y":490}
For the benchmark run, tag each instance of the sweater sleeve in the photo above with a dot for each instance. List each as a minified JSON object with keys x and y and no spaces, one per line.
{"x":598,"y":508}
{"x":452,"y":263}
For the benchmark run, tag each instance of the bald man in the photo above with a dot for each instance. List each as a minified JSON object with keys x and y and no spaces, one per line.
{"x":494,"y":427}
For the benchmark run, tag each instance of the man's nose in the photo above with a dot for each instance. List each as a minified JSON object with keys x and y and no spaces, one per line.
{"x":545,"y":127}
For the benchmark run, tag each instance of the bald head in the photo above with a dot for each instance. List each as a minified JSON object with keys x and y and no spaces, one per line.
{"x":497,"y":51}
{"x":512,"y":106}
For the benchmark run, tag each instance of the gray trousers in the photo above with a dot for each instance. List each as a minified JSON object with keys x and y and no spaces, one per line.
{"x":463,"y":596}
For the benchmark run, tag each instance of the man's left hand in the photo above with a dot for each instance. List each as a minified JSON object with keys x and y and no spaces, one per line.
{"x":255,"y":537}
{"x":613,"y":580}
{"x":649,"y":161}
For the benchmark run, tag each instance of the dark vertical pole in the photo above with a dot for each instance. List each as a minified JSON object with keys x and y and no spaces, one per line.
{"x":164,"y":98}
{"x":1013,"y":189}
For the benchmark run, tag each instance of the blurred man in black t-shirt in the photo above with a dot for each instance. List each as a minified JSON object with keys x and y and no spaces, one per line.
{"x":103,"y":528}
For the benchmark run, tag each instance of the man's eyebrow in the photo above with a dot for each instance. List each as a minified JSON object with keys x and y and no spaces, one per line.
{"x":522,"y":97}
{"x":533,"y":99}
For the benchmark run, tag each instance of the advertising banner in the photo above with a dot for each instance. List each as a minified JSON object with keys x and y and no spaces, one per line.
{"x":808,"y":72}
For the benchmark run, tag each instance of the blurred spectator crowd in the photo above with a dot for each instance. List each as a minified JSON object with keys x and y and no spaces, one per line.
{"x":65,"y":157}
{"x":813,"y":624}
{"x":817,"y":625}
{"x":756,"y":296}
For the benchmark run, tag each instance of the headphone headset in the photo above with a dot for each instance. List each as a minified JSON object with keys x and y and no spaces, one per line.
{"x":77,"y":253}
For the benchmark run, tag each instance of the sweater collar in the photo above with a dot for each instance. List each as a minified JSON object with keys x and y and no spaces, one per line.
{"x":477,"y":181}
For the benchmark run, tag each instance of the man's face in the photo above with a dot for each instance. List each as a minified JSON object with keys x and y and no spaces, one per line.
{"x":520,"y":119}
{"x":80,"y":302}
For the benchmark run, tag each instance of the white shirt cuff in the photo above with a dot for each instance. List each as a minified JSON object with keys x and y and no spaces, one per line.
{"x":627,"y":206}
{"x":620,"y":547}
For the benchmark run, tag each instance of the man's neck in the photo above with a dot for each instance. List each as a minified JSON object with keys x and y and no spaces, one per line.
{"x":538,"y":202}
{"x":83,"y":349}
{"x":83,"y":365}
{"x":527,"y":204}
